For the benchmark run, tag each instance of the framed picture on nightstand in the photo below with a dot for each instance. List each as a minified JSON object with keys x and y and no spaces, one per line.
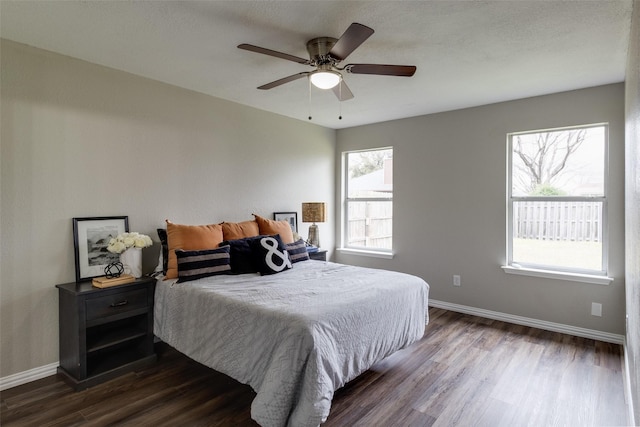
{"x":290,"y":217}
{"x":90,"y":240}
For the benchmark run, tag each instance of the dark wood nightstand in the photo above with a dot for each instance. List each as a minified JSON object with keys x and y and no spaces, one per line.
{"x":104,"y":332}
{"x":319,"y":255}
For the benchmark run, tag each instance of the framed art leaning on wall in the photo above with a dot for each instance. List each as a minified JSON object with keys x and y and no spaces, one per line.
{"x":90,"y":240}
{"x":290,"y":217}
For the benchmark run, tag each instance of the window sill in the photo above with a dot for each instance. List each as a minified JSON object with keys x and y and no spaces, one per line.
{"x":548,"y":274}
{"x":364,"y":252}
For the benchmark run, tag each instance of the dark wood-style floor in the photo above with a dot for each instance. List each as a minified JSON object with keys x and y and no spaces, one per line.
{"x":465,"y":371}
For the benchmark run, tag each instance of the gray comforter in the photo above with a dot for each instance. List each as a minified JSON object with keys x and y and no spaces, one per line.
{"x":294,"y":337}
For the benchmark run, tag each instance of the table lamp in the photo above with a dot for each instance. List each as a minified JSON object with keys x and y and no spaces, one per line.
{"x":313,"y":212}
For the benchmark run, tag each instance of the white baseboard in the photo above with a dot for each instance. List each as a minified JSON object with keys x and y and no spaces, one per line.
{"x":534,"y":323}
{"x":627,"y":387}
{"x":28,"y":376}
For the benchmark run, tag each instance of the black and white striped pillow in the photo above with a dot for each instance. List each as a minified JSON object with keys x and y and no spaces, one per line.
{"x":194,"y":265}
{"x":297,"y":251}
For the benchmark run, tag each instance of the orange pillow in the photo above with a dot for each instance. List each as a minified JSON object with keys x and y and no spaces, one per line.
{"x":269,"y":227}
{"x":239,"y":230}
{"x":189,"y":238}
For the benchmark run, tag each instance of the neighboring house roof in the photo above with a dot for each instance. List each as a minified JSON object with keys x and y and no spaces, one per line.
{"x":373,"y":181}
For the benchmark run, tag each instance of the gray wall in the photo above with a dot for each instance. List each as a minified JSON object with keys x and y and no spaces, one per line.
{"x":632,"y":207}
{"x":83,"y":140}
{"x":450,"y":205}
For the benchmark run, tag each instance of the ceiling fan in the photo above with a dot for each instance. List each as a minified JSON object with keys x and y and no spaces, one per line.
{"x":325,"y":54}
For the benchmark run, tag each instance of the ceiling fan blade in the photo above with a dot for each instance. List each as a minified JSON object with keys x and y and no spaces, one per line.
{"x":283,"y":81}
{"x":383,"y":70}
{"x":355,"y":35}
{"x":275,"y":53}
{"x":342,"y":91}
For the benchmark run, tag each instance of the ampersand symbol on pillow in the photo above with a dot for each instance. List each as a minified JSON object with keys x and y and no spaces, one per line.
{"x":271,"y":245}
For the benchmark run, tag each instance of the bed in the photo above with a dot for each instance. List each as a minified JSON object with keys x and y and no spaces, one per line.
{"x":294,"y":337}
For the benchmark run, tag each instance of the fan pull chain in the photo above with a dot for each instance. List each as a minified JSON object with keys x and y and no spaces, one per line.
{"x":309,"y":99}
{"x":340,"y":101}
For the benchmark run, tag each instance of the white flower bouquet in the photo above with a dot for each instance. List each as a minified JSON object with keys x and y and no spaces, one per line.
{"x":124,"y":241}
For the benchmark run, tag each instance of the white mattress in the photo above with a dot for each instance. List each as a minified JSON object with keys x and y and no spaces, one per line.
{"x":294,"y":337}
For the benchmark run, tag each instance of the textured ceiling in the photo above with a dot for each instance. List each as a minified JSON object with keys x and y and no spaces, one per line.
{"x":468,"y":53}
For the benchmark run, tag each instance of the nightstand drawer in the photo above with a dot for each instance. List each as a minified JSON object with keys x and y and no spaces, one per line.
{"x":116,"y":303}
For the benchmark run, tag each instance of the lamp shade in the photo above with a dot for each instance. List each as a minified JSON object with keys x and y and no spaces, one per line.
{"x":314,"y":212}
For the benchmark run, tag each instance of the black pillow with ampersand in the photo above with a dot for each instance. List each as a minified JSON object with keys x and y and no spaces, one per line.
{"x":271,"y":254}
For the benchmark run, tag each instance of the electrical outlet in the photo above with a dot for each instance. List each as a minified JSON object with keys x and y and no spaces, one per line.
{"x":456,"y":280}
{"x":596,"y":309}
{"x":626,"y":322}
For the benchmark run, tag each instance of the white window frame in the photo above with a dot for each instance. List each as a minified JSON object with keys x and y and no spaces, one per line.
{"x":558,"y":272}
{"x":344,"y":229}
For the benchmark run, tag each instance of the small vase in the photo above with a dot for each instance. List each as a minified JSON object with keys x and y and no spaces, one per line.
{"x":131,"y":259}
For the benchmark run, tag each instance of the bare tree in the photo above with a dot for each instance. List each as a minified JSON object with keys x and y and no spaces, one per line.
{"x":369,"y":161}
{"x":544,"y":160}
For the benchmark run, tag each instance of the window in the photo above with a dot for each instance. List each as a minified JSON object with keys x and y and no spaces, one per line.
{"x":368,"y":213}
{"x":557,"y":200}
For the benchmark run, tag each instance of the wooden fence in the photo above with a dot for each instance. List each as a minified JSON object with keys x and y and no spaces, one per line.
{"x":573,"y":221}
{"x":370,"y":224}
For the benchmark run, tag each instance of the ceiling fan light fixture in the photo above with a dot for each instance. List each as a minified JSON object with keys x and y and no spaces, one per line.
{"x":325,"y":79}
